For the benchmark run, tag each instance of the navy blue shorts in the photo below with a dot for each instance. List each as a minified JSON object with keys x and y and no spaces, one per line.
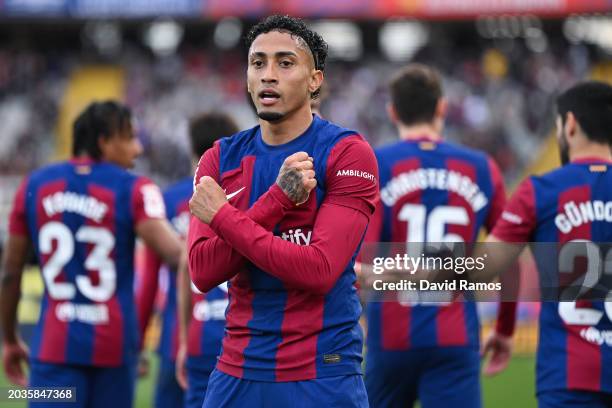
{"x":96,"y":387}
{"x":225,"y":391}
{"x":198,"y":383}
{"x":574,"y":399}
{"x":438,"y":377}
{"x":168,"y":393}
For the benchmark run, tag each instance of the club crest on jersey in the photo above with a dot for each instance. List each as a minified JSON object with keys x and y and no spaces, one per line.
{"x":297,"y":236}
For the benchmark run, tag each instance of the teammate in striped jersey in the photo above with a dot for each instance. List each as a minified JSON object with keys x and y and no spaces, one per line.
{"x":203,"y":315}
{"x":570,"y":204}
{"x":82,"y":217}
{"x":431,"y":191}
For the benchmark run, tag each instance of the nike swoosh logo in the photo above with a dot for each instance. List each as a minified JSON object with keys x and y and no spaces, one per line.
{"x":235,"y":193}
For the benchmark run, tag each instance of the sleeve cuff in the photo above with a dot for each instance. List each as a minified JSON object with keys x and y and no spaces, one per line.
{"x":506,"y":318}
{"x":279,"y":195}
{"x":504,"y":331}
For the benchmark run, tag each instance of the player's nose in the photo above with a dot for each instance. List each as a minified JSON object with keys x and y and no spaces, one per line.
{"x":270,"y":74}
{"x":138,"y":149}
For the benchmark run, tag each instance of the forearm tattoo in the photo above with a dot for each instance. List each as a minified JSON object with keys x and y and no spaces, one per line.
{"x":290,"y":181}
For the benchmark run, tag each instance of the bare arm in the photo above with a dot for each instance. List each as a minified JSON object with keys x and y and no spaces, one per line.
{"x":14,"y":258}
{"x":14,"y":352}
{"x":147,"y":289}
{"x":183,"y":285}
{"x":184,"y":299}
{"x":161,"y":238}
{"x":509,"y":278}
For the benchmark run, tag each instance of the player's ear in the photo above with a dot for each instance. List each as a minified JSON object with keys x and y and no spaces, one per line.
{"x":559,"y":125}
{"x":441,"y":108}
{"x":316,"y":80}
{"x":571,"y":125}
{"x":102,"y":145}
{"x":105,"y":146}
{"x":392,"y":113}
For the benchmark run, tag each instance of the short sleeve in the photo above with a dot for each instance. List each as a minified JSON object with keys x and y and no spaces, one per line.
{"x":518,"y":220}
{"x":498,"y":200}
{"x":352,"y":175}
{"x":147,"y":201}
{"x":18,"y":224}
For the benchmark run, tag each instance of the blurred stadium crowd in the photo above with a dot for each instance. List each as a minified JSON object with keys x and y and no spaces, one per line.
{"x":500,"y":98}
{"x":500,"y":94}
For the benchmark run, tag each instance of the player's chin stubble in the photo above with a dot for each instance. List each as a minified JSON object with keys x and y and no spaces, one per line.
{"x":270,"y":116}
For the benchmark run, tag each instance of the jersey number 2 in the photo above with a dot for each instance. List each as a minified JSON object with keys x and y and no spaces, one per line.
{"x":98,"y":260}
{"x":595,"y":267}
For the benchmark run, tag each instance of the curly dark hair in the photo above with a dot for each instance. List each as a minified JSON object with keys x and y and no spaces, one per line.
{"x":296,"y":27}
{"x":98,"y":120}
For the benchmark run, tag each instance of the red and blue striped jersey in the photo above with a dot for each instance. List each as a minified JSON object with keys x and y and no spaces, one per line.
{"x":81,"y":217}
{"x":431,"y":191}
{"x":280,"y":326}
{"x":208,"y":311}
{"x":207,"y":326}
{"x":571,"y":203}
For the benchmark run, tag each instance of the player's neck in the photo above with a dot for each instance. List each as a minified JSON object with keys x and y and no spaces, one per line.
{"x":81,"y":158}
{"x":596,"y":151}
{"x":415,"y":132}
{"x":286,"y":130}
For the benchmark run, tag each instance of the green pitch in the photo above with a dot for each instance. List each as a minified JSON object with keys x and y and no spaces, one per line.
{"x":513,"y":388}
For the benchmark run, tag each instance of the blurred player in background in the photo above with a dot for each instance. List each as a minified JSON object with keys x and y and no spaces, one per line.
{"x":202,"y":315}
{"x":206,"y":315}
{"x":285,"y":239}
{"x":572,"y":203}
{"x":430,"y":351}
{"x":82,"y":217}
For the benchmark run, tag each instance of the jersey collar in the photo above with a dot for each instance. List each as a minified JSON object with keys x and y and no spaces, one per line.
{"x":424,"y":138}
{"x":591,"y":160}
{"x":82,"y":160}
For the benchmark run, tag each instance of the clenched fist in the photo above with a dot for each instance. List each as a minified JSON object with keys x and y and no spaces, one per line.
{"x":207,"y":199}
{"x":296,"y":177}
